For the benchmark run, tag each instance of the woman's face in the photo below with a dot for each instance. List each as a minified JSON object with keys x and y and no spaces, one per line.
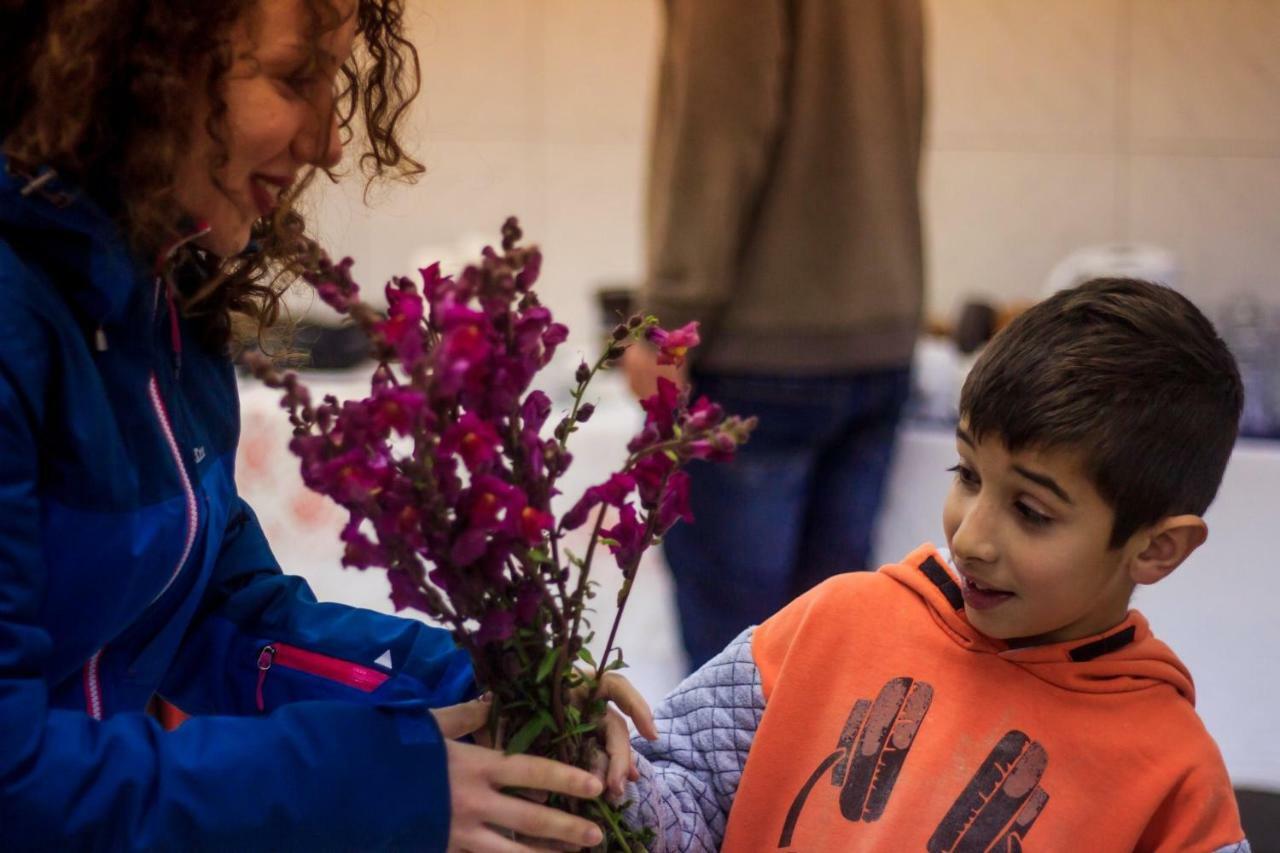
{"x":280,"y":120}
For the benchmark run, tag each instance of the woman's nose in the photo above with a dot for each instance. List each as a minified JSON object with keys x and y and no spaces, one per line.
{"x":319,"y":143}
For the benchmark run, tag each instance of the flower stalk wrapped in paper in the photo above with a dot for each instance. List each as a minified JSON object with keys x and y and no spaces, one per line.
{"x":448,"y":475}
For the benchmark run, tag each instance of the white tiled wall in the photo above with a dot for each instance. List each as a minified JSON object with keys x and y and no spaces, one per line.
{"x":1060,"y":123}
{"x":1054,"y":124}
{"x":537,"y":108}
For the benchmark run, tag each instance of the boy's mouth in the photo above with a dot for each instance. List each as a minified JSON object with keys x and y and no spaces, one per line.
{"x":979,"y":596}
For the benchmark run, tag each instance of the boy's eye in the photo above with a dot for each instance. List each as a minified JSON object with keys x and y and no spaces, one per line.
{"x":1036,"y":519}
{"x":964,"y":474}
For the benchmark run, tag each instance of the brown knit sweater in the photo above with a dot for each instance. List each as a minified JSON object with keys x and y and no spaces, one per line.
{"x":783,"y":201}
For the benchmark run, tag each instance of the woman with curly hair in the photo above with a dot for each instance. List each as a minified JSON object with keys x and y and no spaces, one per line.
{"x":152,"y":151}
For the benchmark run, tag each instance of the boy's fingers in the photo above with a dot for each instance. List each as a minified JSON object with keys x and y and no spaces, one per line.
{"x":624,"y":694}
{"x":543,"y":774}
{"x":458,"y":721}
{"x":544,"y":823}
{"x":617,"y":744}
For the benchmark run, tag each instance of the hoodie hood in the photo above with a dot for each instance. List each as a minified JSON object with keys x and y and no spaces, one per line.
{"x":73,"y":238}
{"x":1123,"y":659}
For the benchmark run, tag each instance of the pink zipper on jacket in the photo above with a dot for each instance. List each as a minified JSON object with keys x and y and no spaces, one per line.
{"x":188,"y":491}
{"x":92,"y":680}
{"x":363,"y":678}
{"x":93,"y":687}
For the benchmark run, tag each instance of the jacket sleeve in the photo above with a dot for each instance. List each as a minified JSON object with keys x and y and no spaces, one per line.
{"x":689,"y":776}
{"x":250,"y":604}
{"x":718,"y":115}
{"x":314,"y":775}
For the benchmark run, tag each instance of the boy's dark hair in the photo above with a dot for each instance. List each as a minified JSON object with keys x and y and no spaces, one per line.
{"x":1129,"y":373}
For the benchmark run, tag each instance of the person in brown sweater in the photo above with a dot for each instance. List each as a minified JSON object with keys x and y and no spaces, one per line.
{"x":784,"y":217}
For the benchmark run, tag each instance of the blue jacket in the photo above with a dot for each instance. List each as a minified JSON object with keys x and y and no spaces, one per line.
{"x":130,"y":567}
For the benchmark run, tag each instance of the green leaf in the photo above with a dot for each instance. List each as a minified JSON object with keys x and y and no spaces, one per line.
{"x":579,"y":729}
{"x":528,"y":733}
{"x":585,"y":654}
{"x":548,"y":663}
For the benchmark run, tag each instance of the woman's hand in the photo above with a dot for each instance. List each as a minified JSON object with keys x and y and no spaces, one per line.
{"x":480,"y":809}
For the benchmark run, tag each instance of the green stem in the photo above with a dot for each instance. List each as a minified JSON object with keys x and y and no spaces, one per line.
{"x":584,"y":573}
{"x":624,"y":594}
{"x":606,"y":811}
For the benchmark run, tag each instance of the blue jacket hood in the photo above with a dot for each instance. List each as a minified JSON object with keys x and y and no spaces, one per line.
{"x":70,"y":233}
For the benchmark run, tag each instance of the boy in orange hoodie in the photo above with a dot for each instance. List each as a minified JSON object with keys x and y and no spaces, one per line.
{"x":1006,"y":698}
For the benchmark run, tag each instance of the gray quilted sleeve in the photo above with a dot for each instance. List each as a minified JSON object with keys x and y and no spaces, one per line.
{"x":689,"y":775}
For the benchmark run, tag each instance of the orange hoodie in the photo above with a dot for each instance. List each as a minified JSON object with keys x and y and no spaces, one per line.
{"x":892,"y":724}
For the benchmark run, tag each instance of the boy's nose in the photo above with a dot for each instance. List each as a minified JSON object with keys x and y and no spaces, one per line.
{"x":973,"y":539}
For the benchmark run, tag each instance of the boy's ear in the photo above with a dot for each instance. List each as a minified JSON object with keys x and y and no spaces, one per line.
{"x":1167,"y":543}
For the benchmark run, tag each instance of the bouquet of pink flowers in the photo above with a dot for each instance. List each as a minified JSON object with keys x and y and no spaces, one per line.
{"x":448,"y":476}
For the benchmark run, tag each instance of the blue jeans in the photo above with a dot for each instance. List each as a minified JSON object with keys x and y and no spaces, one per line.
{"x":796,"y":506}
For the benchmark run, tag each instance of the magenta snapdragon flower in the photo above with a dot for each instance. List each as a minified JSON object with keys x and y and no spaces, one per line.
{"x":673,"y":347}
{"x":448,"y":467}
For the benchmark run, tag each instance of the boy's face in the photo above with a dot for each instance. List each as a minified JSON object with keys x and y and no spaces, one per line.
{"x":1030,"y":534}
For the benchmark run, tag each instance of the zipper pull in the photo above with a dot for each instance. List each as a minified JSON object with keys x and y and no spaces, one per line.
{"x":100,"y":339}
{"x":265,"y":658}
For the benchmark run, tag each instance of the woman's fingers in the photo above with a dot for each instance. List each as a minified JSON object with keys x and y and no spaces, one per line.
{"x":624,"y":694}
{"x":487,"y":840}
{"x":460,"y":720}
{"x":543,"y":774}
{"x":476,"y":777}
{"x":544,"y":823}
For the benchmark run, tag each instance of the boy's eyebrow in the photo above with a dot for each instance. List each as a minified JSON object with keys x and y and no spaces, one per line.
{"x":964,"y":436}
{"x":1046,"y":481}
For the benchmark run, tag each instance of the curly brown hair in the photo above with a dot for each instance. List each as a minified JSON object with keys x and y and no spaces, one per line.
{"x":99,"y":90}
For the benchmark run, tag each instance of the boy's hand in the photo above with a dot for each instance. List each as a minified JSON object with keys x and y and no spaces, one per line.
{"x":480,"y":809}
{"x":617,"y":740}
